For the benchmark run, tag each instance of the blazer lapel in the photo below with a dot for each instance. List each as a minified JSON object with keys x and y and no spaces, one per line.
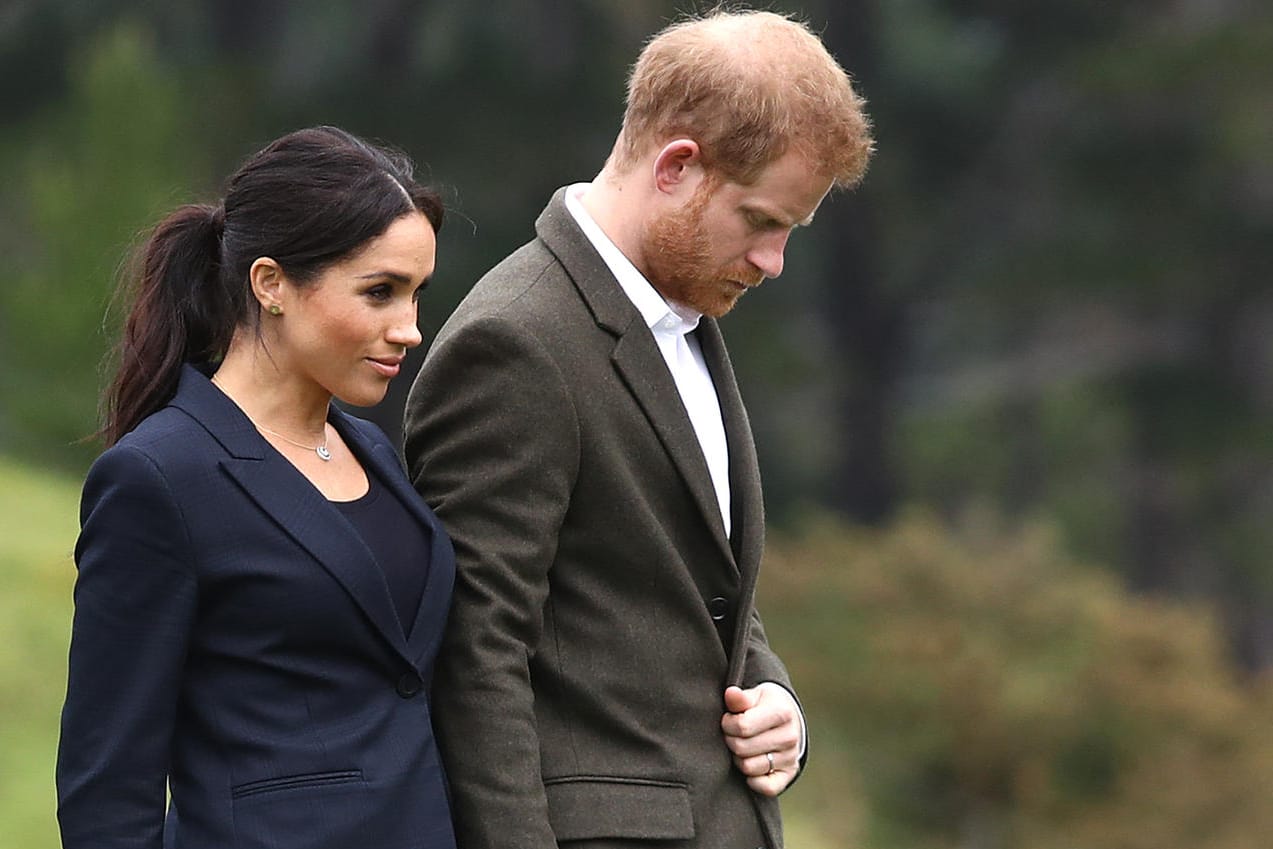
{"x":636,"y":357}
{"x":293,"y":503}
{"x":381,"y":460}
{"x":746,"y":497}
{"x":435,"y":602}
{"x":303,"y":513}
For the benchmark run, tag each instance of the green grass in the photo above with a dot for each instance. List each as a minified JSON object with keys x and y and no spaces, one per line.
{"x":38,"y":524}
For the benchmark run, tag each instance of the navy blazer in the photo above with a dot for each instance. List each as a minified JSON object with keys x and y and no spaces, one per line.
{"x":235,"y":641}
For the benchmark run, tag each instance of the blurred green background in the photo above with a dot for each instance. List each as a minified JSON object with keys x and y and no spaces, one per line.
{"x":1013,"y":397}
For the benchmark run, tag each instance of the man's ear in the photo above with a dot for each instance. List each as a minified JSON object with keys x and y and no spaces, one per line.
{"x":267,"y":278}
{"x":678,"y":167}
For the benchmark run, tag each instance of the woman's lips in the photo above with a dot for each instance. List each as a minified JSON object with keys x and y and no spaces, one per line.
{"x":388,"y":366}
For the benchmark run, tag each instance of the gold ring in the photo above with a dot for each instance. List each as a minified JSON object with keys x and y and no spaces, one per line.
{"x":770,"y":755}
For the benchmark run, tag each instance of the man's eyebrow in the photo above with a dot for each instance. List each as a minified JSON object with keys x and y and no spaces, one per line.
{"x":780,"y":219}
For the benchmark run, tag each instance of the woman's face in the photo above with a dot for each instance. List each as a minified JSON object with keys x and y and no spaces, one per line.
{"x":348,"y":330}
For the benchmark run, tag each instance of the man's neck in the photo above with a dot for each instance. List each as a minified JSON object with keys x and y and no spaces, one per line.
{"x":614,"y":204}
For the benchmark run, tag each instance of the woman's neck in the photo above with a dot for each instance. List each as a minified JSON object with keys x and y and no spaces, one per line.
{"x":271,"y":394}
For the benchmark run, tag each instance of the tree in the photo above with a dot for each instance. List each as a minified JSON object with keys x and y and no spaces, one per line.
{"x":97,"y":170}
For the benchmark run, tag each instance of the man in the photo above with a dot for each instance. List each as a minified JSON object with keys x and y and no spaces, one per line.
{"x":605,"y":680}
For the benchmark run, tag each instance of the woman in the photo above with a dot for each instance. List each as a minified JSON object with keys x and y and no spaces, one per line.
{"x":260,"y":591}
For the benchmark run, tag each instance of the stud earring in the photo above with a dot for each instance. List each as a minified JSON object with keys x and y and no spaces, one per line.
{"x":275,"y":309}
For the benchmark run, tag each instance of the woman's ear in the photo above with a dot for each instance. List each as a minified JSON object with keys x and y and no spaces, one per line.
{"x":678,"y":166}
{"x":267,"y":278}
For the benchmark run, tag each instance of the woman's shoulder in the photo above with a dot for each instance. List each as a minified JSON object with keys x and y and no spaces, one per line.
{"x":164,"y":430}
{"x":167,"y":441}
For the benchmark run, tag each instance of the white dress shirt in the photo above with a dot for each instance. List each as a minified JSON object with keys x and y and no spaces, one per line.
{"x":672,"y":326}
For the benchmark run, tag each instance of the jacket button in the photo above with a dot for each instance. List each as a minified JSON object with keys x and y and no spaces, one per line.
{"x":409,"y":685}
{"x":718,"y":607}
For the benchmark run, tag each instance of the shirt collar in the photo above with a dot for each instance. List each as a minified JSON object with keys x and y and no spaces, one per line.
{"x":660,"y":315}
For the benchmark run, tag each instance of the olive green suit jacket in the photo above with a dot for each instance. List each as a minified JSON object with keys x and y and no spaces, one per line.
{"x":600,"y":609}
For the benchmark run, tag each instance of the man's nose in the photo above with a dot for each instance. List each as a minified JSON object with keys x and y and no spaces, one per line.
{"x":768,"y":254}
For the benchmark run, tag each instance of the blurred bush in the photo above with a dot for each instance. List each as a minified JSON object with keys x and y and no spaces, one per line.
{"x":973,"y":686}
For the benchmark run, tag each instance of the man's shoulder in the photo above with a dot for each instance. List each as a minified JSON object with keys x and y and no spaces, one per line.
{"x":524,"y":270}
{"x":530,"y":286}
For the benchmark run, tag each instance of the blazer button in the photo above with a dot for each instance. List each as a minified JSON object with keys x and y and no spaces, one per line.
{"x":409,"y":685}
{"x":718,"y":607}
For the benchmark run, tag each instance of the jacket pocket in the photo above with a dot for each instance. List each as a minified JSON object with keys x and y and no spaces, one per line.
{"x":588,"y":807}
{"x":292,"y":782}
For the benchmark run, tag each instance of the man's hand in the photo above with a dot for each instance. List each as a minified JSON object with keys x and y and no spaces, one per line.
{"x":762,"y":729}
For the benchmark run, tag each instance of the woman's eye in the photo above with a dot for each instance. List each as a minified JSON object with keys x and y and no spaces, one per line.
{"x":380,"y":293}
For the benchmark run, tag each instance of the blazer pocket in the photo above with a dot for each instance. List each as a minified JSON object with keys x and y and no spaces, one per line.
{"x":589,"y":807}
{"x":296,"y":782}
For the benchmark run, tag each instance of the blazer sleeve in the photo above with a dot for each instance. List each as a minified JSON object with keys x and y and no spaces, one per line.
{"x":135,"y":598}
{"x":762,"y":665}
{"x":492,"y":443}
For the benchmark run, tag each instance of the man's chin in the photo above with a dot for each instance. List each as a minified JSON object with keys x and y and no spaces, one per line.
{"x":720,"y":306}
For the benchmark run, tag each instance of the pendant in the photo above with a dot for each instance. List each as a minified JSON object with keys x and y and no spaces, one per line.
{"x":323,"y":453}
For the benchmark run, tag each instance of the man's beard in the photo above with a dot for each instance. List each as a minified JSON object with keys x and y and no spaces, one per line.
{"x":678,"y":253}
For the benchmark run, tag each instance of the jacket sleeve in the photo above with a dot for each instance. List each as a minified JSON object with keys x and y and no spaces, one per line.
{"x":492,"y":443}
{"x":764,"y":665}
{"x":134,"y":604}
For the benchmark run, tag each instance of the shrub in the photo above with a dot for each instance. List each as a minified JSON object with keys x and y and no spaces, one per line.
{"x":972,"y":686}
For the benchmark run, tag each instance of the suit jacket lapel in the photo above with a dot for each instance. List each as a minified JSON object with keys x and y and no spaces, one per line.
{"x":636,"y":357}
{"x":382,"y":461}
{"x":746,"y":497}
{"x":656,"y":392}
{"x":316,"y":526}
{"x":293,"y":503}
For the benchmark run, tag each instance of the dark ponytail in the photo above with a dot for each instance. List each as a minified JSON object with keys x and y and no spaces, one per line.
{"x":307,"y":200}
{"x":175,"y":317}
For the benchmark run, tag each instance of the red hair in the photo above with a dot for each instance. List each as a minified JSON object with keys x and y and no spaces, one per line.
{"x":747,"y":87}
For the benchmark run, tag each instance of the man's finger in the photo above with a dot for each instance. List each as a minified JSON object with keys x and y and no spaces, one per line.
{"x":738,"y":700}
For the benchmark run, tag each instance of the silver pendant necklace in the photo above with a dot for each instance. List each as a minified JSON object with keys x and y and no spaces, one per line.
{"x":320,"y":450}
